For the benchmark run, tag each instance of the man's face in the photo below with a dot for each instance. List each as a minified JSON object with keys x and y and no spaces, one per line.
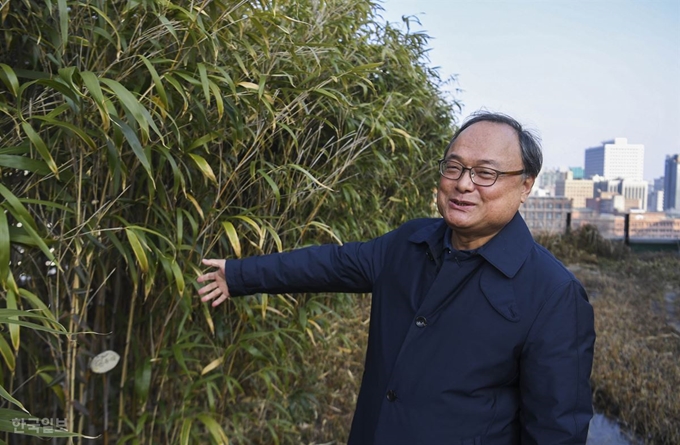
{"x":478,"y":213}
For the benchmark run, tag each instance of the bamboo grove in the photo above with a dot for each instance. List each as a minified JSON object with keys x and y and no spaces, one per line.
{"x":137,"y":137}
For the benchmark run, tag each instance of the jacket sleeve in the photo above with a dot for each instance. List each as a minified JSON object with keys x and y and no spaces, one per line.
{"x":351,"y":267}
{"x":555,"y":366}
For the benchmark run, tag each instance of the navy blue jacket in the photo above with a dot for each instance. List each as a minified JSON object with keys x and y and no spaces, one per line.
{"x":489,"y":349}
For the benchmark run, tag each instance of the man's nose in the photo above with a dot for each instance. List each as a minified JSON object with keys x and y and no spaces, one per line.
{"x":465,"y":180}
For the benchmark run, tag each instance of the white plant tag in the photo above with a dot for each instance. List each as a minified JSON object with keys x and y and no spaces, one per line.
{"x":104,"y":362}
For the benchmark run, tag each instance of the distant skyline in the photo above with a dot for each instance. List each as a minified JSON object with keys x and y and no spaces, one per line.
{"x":579,"y":72}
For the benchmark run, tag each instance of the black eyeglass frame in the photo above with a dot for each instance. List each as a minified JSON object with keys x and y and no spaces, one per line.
{"x":442,"y":163}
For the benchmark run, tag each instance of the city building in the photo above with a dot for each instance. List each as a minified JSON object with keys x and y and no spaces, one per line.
{"x":634,"y":192}
{"x":615,"y":159}
{"x":578,"y":172}
{"x":547,"y":178}
{"x":671,"y":195}
{"x":655,"y":195}
{"x":578,"y":190}
{"x":546,"y":214}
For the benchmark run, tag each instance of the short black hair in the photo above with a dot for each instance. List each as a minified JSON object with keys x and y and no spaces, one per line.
{"x":529,"y":142}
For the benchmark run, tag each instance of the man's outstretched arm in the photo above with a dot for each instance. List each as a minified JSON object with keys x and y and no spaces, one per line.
{"x":351,"y":267}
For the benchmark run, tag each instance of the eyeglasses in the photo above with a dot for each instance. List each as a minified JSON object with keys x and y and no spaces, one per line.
{"x":481,"y":176}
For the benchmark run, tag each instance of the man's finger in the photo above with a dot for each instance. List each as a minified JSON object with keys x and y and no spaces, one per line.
{"x":213,"y":263}
{"x":207,"y":288}
{"x":220,"y":300}
{"x":211,"y":295}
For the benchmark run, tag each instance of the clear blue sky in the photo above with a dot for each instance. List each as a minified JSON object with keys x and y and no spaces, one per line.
{"x":578,"y":71}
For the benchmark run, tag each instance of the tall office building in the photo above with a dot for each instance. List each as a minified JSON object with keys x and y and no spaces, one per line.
{"x":616,"y":159}
{"x":671,"y":192}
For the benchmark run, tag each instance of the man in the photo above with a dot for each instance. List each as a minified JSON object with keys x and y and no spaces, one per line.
{"x":478,"y":335}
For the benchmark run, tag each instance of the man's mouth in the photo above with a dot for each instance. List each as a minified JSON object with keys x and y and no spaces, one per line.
{"x":460,"y":203}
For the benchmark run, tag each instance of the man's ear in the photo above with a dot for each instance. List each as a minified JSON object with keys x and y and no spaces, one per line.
{"x":527,"y":184}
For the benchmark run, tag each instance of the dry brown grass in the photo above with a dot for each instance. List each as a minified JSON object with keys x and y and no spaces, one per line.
{"x":635,"y":372}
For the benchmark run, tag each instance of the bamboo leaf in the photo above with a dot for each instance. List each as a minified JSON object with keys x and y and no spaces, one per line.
{"x":249,"y":85}
{"x":233,"y":237}
{"x":143,"y":382}
{"x":203,"y":140}
{"x":92,"y":83}
{"x":24,"y":163}
{"x":71,"y":128}
{"x":4,"y":247}
{"x":128,"y":100}
{"x":204,"y":167}
{"x":138,"y":249}
{"x":158,"y":84}
{"x":212,"y":365}
{"x":28,"y":224}
{"x":185,"y":432}
{"x":39,"y":144}
{"x":309,"y":175}
{"x":9,"y":77}
{"x":214,"y":428}
{"x":219,"y":102}
{"x":179,"y":277}
{"x":7,"y":353}
{"x":204,"y":82}
{"x":7,"y":396}
{"x":272,"y":185}
{"x":137,"y":148}
{"x":63,"y":24}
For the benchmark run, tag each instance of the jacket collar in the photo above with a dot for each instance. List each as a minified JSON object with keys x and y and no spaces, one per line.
{"x":506,"y":251}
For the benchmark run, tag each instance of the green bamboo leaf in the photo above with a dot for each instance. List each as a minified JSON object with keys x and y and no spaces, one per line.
{"x":137,"y":148}
{"x":28,"y":224}
{"x":9,"y":78}
{"x":138,"y":249}
{"x":112,"y":24}
{"x":179,"y":89}
{"x":24,"y":163}
{"x":309,"y":175}
{"x":91,"y":81}
{"x":7,"y":396}
{"x":203,"y":74}
{"x":7,"y":353}
{"x":143,"y":382}
{"x":128,"y":100}
{"x":57,"y":84}
{"x":185,"y":432}
{"x":39,"y":144}
{"x":219,"y":102}
{"x":39,"y":304}
{"x":233,"y":237}
{"x":272,"y":185}
{"x":326,"y":93}
{"x":275,"y":237}
{"x":71,"y":128}
{"x":63,"y":24}
{"x":204,"y":167}
{"x":22,"y":149}
{"x":261,"y":86}
{"x":134,"y":275}
{"x":214,"y":428}
{"x":4,"y":248}
{"x":179,"y":277}
{"x":203,"y":140}
{"x":158,"y":84}
{"x":13,"y":321}
{"x":248,"y":220}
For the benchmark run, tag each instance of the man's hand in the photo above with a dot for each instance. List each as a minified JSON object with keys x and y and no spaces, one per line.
{"x":217,"y":288}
